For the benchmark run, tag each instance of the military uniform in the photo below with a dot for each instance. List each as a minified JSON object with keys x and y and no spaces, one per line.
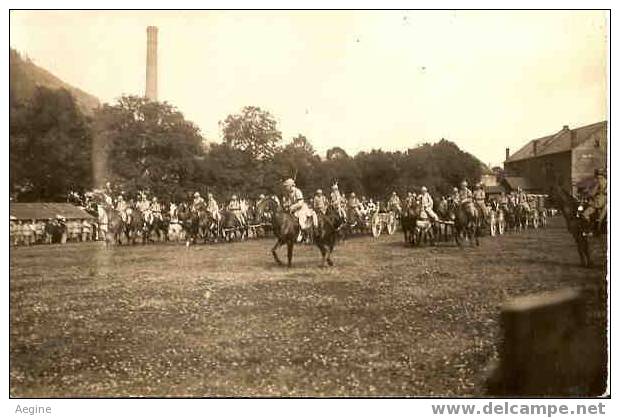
{"x":337,"y":202}
{"x":234,"y":206}
{"x":426,"y":201}
{"x":319,"y":203}
{"x":465,"y":195}
{"x":394,"y":203}
{"x":480,"y":199}
{"x":354,"y":204}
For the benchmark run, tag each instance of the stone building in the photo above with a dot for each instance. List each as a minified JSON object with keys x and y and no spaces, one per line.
{"x":567,"y":158}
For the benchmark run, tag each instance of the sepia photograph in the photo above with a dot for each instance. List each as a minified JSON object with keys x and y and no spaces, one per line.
{"x":308,"y":204}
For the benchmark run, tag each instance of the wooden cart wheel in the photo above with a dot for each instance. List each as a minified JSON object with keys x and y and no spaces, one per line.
{"x":375,"y":225}
{"x":391,"y":224}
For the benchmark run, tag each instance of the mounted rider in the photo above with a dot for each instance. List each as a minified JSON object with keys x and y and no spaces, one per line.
{"x":156,"y":209}
{"x":198,"y":202}
{"x":143,"y":205}
{"x":410,"y":199}
{"x":394,"y":203}
{"x":354,"y":204}
{"x":371,"y":206}
{"x":480,"y":201}
{"x":465,"y":195}
{"x":455,"y":196}
{"x":234,"y":206}
{"x":522,"y":199}
{"x":338,"y":202}
{"x":212,"y":207}
{"x":293,"y":200}
{"x":122,"y":207}
{"x":426,"y":200}
{"x":597,"y":203}
{"x":319,"y":202}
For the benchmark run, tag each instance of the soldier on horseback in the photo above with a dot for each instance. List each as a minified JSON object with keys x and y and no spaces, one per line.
{"x":354,"y":205}
{"x":122,"y":207}
{"x":394,"y":203}
{"x":522,"y":199}
{"x":465,"y":195}
{"x":156,"y":209}
{"x":198,"y":202}
{"x":213,"y":208}
{"x":234,"y":206}
{"x":319,"y":202}
{"x":294,"y":201}
{"x":596,"y":211}
{"x":480,"y":201}
{"x":338,"y":202}
{"x":426,"y":200}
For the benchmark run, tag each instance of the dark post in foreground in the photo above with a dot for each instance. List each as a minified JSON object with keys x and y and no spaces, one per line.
{"x":548,"y":349}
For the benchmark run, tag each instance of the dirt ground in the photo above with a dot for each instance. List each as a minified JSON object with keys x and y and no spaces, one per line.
{"x":224,"y":320}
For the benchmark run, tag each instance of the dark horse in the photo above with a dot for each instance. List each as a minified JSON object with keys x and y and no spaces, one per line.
{"x":466,"y":222}
{"x":286,"y":229}
{"x":408,"y":218}
{"x":577,"y":226}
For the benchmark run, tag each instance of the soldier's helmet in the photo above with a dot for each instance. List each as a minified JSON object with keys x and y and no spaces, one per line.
{"x":196,"y":194}
{"x":335,"y":187}
{"x":319,"y":191}
{"x":352,"y":194}
{"x":393,"y":193}
{"x":289,"y":182}
{"x":154,"y":199}
{"x":455,"y":189}
{"x":464,"y":183}
{"x":424,"y":189}
{"x":234,"y":197}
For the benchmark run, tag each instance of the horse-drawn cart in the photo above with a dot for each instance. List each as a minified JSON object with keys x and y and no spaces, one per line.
{"x":383,"y":221}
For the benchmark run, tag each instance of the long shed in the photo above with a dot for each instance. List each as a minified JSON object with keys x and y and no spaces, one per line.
{"x":42,"y":211}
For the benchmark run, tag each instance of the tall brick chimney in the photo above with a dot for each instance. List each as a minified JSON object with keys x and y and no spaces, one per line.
{"x":151,"y":63}
{"x":507,"y":153}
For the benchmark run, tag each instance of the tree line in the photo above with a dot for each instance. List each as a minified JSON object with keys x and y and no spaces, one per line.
{"x":137,"y":144}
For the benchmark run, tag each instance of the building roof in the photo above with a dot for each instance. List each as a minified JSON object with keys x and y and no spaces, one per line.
{"x":558,"y":142}
{"x":515,"y":182}
{"x":25,"y":211}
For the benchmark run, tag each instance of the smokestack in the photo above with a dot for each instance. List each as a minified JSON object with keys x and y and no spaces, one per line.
{"x":507,"y":153}
{"x":151,"y":63}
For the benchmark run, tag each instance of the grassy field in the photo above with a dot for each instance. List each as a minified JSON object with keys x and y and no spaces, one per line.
{"x":224,"y":320}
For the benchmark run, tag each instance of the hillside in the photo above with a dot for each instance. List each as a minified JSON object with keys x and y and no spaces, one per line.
{"x":25,"y":76}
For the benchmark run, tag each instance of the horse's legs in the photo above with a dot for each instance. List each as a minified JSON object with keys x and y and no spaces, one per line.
{"x":289,"y":252}
{"x":330,"y":249}
{"x":275,"y":253}
{"x":323,"y":252}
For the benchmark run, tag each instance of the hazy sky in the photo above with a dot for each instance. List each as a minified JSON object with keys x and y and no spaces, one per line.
{"x":359,"y":79}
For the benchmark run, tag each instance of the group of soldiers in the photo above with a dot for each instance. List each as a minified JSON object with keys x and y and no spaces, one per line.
{"x":46,"y":231}
{"x":34,"y":231}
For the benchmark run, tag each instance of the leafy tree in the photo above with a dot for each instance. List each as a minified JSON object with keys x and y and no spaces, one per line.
{"x":300,"y":142}
{"x":253,"y":131}
{"x":50,"y":146}
{"x":148,"y":145}
{"x":336,"y":153}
